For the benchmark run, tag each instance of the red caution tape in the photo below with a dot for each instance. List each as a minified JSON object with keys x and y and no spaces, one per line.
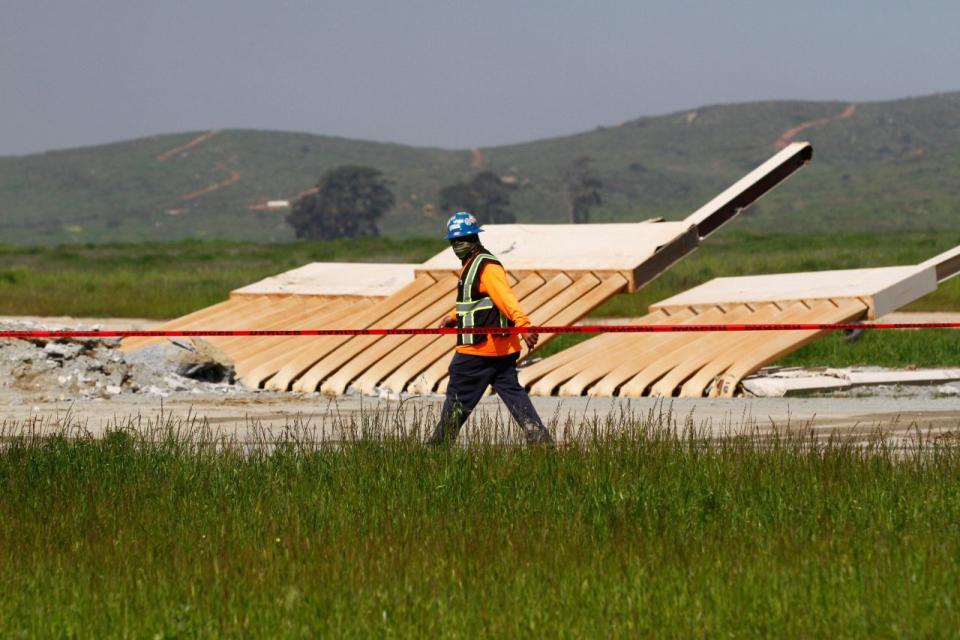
{"x":615,"y":328}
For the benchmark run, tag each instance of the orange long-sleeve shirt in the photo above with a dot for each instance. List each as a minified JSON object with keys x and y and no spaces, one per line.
{"x":493,"y":282}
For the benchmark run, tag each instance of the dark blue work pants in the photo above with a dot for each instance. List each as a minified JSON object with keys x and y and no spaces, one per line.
{"x":469,"y":378}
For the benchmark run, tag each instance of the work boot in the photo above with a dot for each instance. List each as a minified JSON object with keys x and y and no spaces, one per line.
{"x":441,"y":436}
{"x":538,"y":435}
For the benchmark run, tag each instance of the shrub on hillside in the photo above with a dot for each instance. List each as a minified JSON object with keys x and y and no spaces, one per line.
{"x":347,"y":203}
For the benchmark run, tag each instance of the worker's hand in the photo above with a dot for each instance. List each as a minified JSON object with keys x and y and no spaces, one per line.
{"x":530,"y":339}
{"x":448,"y":323}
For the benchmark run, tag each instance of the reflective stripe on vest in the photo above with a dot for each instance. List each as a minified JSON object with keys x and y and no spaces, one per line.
{"x":468,"y":308}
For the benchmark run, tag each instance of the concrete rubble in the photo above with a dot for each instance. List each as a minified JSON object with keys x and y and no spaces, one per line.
{"x":64,"y":368}
{"x":777,"y":382}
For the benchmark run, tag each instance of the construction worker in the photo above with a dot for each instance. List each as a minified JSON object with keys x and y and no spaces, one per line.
{"x":484,"y":299}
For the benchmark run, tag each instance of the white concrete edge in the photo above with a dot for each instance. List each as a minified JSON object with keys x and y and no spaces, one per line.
{"x":883,"y":296}
{"x":718,"y":202}
{"x":904,"y":292}
{"x":334,"y":279}
{"x":948,"y":260}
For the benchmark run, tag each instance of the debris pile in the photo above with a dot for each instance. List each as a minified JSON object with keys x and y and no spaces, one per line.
{"x":776,"y":382}
{"x":96,"y":368}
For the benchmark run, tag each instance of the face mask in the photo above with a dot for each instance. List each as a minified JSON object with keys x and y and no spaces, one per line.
{"x":463,"y":248}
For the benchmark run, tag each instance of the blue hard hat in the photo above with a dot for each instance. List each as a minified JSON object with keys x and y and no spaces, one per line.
{"x":462,"y":224}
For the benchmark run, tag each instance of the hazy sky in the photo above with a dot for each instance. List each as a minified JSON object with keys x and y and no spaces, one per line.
{"x":444,"y":73}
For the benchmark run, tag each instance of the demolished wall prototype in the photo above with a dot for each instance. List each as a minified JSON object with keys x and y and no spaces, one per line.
{"x":714,"y":364}
{"x":559,"y":273}
{"x":309,"y":296}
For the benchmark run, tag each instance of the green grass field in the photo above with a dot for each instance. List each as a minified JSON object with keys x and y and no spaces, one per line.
{"x":650,"y":533}
{"x":168,"y":280}
{"x":646,"y":534}
{"x":165,"y":280}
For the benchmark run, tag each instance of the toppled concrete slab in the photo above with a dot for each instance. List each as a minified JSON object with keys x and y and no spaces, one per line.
{"x":96,"y":368}
{"x":334,"y":279}
{"x":780,"y":382}
{"x":883,"y":289}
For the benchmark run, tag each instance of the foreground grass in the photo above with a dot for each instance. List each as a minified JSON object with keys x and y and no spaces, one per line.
{"x":648,"y":533}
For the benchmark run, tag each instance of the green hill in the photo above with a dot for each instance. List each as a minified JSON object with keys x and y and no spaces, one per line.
{"x":878,"y":166}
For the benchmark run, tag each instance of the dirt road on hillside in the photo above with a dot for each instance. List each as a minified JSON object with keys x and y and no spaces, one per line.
{"x":787,"y":136}
{"x":203,"y":137}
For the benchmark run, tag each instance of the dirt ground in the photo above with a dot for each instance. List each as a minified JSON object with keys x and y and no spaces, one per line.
{"x":242,"y":415}
{"x":52,"y":385}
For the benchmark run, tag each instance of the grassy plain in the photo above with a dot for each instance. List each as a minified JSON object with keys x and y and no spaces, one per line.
{"x":649,"y":533}
{"x":164,"y":280}
{"x":168,"y":280}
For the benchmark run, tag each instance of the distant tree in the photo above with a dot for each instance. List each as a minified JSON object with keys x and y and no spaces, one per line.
{"x":486,"y":196}
{"x":494,"y":195}
{"x":458,"y":197}
{"x":347,"y":204}
{"x":583,"y":190}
